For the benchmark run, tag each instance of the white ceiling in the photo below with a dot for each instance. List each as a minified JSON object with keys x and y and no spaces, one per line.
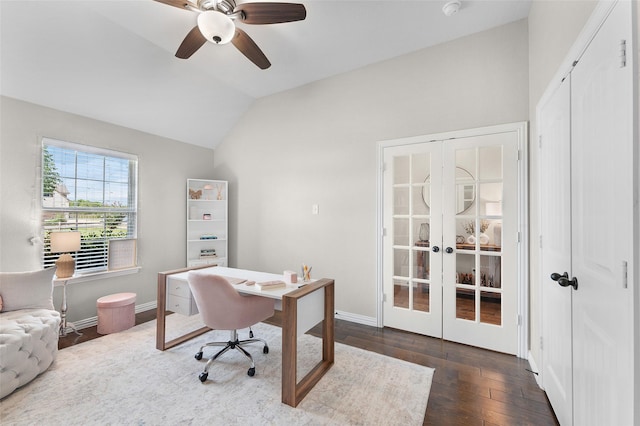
{"x":114,"y":60}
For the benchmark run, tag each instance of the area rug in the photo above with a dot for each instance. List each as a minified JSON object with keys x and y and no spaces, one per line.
{"x":121,"y":379}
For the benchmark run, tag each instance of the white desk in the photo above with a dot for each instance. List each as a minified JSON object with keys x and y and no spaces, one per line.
{"x":302,"y":308}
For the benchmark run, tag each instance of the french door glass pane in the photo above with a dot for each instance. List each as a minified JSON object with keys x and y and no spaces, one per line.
{"x":466,"y":304}
{"x":401,"y":170}
{"x":401,"y":200}
{"x":400,"y":262}
{"x":420,"y":195}
{"x":421,"y":297}
{"x":490,"y":271}
{"x":400,"y":293}
{"x":421,"y":264}
{"x":466,"y":162}
{"x":401,"y":232}
{"x":490,"y":308}
{"x":490,"y":195}
{"x":490,"y":162}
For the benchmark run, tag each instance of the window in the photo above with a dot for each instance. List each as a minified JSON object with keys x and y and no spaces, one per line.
{"x":90,"y":190}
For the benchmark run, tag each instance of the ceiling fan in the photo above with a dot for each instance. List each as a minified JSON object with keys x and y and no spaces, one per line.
{"x":216,"y":23}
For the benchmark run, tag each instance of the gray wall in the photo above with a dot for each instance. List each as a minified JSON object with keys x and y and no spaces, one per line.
{"x":163,"y":167}
{"x":317,"y":144}
{"x":553,"y":29}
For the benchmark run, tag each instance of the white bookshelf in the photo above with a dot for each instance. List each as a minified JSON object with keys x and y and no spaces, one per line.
{"x":207,"y":222}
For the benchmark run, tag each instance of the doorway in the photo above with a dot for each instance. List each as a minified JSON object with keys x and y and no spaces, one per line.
{"x":452,"y":209}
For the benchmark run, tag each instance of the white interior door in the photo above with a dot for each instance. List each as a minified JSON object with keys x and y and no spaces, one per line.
{"x":412,"y":281}
{"x":555,"y":230}
{"x":587,"y":224}
{"x":480,"y":240}
{"x":602,"y":226}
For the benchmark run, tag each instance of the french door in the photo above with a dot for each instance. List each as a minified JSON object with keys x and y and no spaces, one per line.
{"x":412,"y":222}
{"x":450,"y":245}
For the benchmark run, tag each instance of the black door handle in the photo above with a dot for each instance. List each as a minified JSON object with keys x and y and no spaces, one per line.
{"x":449,"y":250}
{"x":556,"y":276}
{"x":564,"y":280}
{"x":435,"y":249}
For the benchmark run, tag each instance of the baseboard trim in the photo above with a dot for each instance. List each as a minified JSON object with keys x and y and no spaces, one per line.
{"x":360,"y":319}
{"x":93,"y":321}
{"x":534,"y":369}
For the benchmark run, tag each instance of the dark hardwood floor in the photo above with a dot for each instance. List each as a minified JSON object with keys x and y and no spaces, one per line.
{"x":471,"y":386}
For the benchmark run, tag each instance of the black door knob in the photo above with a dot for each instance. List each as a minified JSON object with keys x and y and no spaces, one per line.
{"x":556,"y":276}
{"x":566,"y":282}
{"x":449,"y":250}
{"x":435,"y":249}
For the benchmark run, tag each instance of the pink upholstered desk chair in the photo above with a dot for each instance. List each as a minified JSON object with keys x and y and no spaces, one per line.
{"x":223,"y":308}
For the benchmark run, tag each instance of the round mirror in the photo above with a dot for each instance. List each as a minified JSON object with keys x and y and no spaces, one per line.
{"x":465,"y":190}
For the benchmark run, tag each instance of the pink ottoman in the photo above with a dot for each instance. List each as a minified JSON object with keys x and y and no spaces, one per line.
{"x":116,"y":312}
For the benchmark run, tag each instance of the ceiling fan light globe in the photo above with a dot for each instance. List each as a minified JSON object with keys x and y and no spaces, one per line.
{"x":216,"y":27}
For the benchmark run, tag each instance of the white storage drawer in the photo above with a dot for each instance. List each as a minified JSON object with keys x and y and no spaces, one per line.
{"x":181,"y":305}
{"x":178,"y":288}
{"x":179,"y":298}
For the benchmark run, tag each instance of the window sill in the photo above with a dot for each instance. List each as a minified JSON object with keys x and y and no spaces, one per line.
{"x":80,"y":278}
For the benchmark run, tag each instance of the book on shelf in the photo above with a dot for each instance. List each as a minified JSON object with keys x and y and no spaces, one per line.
{"x":271,"y":285}
{"x":207,"y":253}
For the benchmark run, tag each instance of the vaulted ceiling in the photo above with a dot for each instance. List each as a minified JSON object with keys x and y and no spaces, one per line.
{"x":114,"y":60}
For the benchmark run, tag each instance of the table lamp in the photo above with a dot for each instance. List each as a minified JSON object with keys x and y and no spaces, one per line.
{"x":65,"y":242}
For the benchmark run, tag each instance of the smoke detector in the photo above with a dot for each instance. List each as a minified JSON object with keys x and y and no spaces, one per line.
{"x":451,"y":8}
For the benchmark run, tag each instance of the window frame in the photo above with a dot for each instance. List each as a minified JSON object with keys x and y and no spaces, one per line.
{"x":93,"y":257}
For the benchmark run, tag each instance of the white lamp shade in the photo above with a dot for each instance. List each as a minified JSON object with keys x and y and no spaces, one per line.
{"x":65,"y":242}
{"x":216,"y":26}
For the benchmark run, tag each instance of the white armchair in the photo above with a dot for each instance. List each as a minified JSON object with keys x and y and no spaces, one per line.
{"x":29,"y":327}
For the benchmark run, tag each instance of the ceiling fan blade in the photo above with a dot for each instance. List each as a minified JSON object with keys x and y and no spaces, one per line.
{"x":182,"y":4}
{"x":271,"y":13}
{"x":250,"y":49}
{"x":191,"y":43}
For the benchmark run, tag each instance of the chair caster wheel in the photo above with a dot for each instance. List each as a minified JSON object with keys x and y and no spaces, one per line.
{"x":265,"y":350}
{"x":251,"y":372}
{"x":198,"y":356}
{"x":250,"y":334}
{"x":203,"y":377}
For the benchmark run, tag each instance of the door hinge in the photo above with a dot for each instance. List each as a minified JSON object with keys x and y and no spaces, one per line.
{"x":383,"y":167}
{"x":540,"y":241}
{"x":519,"y":320}
{"x":383,"y":232}
{"x":540,"y":141}
{"x":624,"y":274}
{"x":384,"y":297}
{"x":519,"y":155}
{"x":541,"y":348}
{"x":623,"y":53}
{"x":518,"y":236}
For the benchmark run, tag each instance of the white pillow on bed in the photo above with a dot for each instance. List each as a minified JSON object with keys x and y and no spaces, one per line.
{"x":27,"y":290}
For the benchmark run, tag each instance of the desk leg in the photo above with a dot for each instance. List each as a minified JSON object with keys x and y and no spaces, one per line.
{"x":293,"y":391}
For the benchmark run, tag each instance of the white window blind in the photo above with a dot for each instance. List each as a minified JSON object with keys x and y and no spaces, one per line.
{"x":90,"y":190}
